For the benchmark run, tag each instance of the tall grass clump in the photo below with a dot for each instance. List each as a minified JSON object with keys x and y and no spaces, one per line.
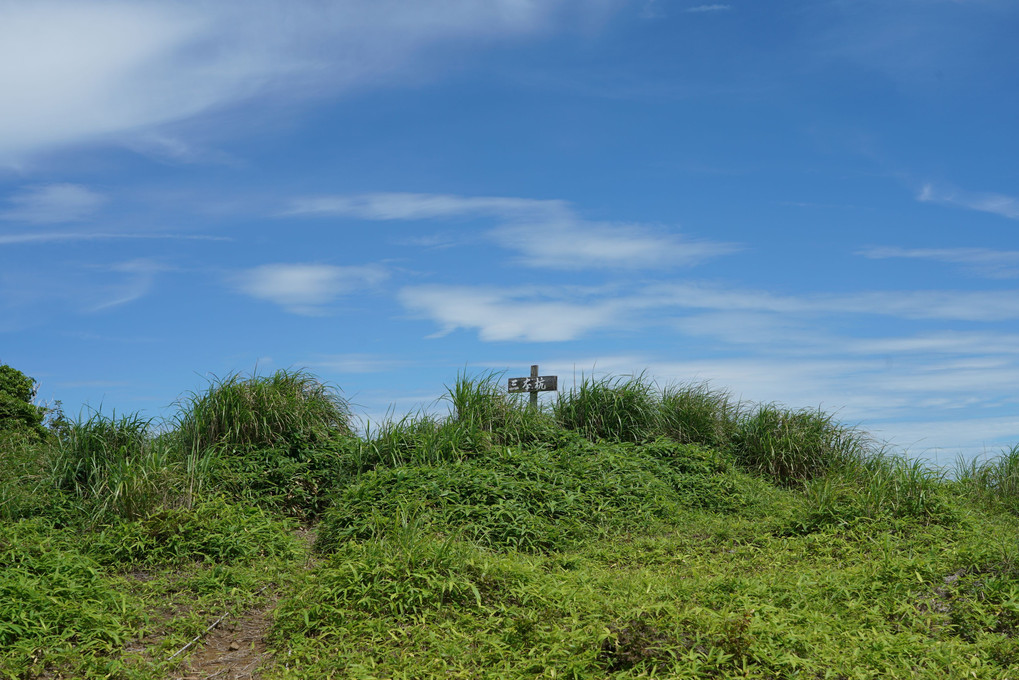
{"x":285,"y":409}
{"x":698,"y":414}
{"x":794,"y":446}
{"x":116,"y":465}
{"x":481,"y":405}
{"x":880,"y":486}
{"x":624,"y":409}
{"x":995,"y":480}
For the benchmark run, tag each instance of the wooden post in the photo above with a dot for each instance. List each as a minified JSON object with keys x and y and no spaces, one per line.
{"x":534,"y":393}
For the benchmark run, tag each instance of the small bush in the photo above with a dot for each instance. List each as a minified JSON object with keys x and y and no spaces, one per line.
{"x":533,"y":499}
{"x":17,"y":412}
{"x":994,"y":481}
{"x":116,"y":465}
{"x":285,"y":410}
{"x":213,"y":530}
{"x":54,"y":601}
{"x":619,"y":409}
{"x":298,"y":483}
{"x":880,"y":487}
{"x":793,"y":446}
{"x":697,"y":414}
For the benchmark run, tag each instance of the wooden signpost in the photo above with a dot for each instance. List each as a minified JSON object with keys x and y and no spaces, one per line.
{"x":536,"y":383}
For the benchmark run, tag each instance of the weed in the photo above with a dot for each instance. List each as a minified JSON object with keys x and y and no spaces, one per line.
{"x":793,"y":446}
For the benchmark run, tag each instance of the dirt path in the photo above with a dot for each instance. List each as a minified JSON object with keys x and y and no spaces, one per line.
{"x":235,"y":649}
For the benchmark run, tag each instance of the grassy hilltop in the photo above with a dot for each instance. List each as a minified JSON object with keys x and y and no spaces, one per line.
{"x":624,"y":531}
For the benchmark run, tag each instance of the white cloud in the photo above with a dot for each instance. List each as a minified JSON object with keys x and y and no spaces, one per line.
{"x":510,"y":314}
{"x":75,"y":72}
{"x":407,"y":206}
{"x":71,"y":237}
{"x":576,"y":244}
{"x":306,"y":288}
{"x":998,"y":204}
{"x":988,"y":306}
{"x":546,"y":233}
{"x":52,"y":203}
{"x":995,"y":264}
{"x":708,"y":8}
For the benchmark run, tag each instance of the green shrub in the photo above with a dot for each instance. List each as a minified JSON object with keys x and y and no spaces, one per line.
{"x":535,"y":499}
{"x":698,"y":414}
{"x":286,"y":410}
{"x":994,"y":481}
{"x":298,"y":482}
{"x":54,"y":601}
{"x":17,"y":412}
{"x":880,"y":487}
{"x":616,"y":409}
{"x":213,"y":530}
{"x":794,"y":446}
{"x":117,"y":467}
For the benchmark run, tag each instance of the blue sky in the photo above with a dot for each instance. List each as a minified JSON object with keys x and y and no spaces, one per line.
{"x":814,"y":203}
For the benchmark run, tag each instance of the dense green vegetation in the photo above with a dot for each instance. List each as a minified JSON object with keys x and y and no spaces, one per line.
{"x":623,"y":531}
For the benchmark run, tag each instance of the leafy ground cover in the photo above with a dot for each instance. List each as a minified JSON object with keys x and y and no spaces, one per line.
{"x":625,"y":531}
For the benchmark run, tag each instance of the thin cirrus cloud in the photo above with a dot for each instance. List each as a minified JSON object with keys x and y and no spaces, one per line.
{"x":994,"y":264}
{"x":71,"y":237}
{"x":52,"y":203}
{"x":80,"y":72}
{"x":306,"y":288}
{"x":708,"y":8}
{"x":997,"y":204}
{"x":545,"y":233}
{"x":531,"y":315}
{"x":510,"y":314}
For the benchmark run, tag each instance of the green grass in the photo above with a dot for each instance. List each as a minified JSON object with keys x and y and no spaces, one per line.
{"x":281,"y":410}
{"x":623,"y":531}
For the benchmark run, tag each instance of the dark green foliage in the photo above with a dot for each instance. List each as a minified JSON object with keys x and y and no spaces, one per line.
{"x":18,"y":415}
{"x":285,"y":410}
{"x":794,"y":446}
{"x":297,"y":482}
{"x":535,"y":499}
{"x":211,"y":531}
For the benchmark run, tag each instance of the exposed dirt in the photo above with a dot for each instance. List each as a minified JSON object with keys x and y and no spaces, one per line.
{"x":233,"y":650}
{"x":236,"y":648}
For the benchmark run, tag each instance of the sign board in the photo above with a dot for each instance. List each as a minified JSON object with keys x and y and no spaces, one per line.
{"x":534,"y":384}
{"x":542,"y":383}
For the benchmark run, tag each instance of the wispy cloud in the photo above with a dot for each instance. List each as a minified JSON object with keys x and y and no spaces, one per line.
{"x":708,"y":8}
{"x":996,"y":305}
{"x":407,"y":206}
{"x":511,"y":314}
{"x":578,"y":244}
{"x":52,"y":203}
{"x":69,"y":237}
{"x":355,"y":363}
{"x":997,"y":204}
{"x":119,"y":69}
{"x":995,"y":264}
{"x":306,"y":288}
{"x":137,"y":280}
{"x":545,"y":233}
{"x":739,"y":316}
